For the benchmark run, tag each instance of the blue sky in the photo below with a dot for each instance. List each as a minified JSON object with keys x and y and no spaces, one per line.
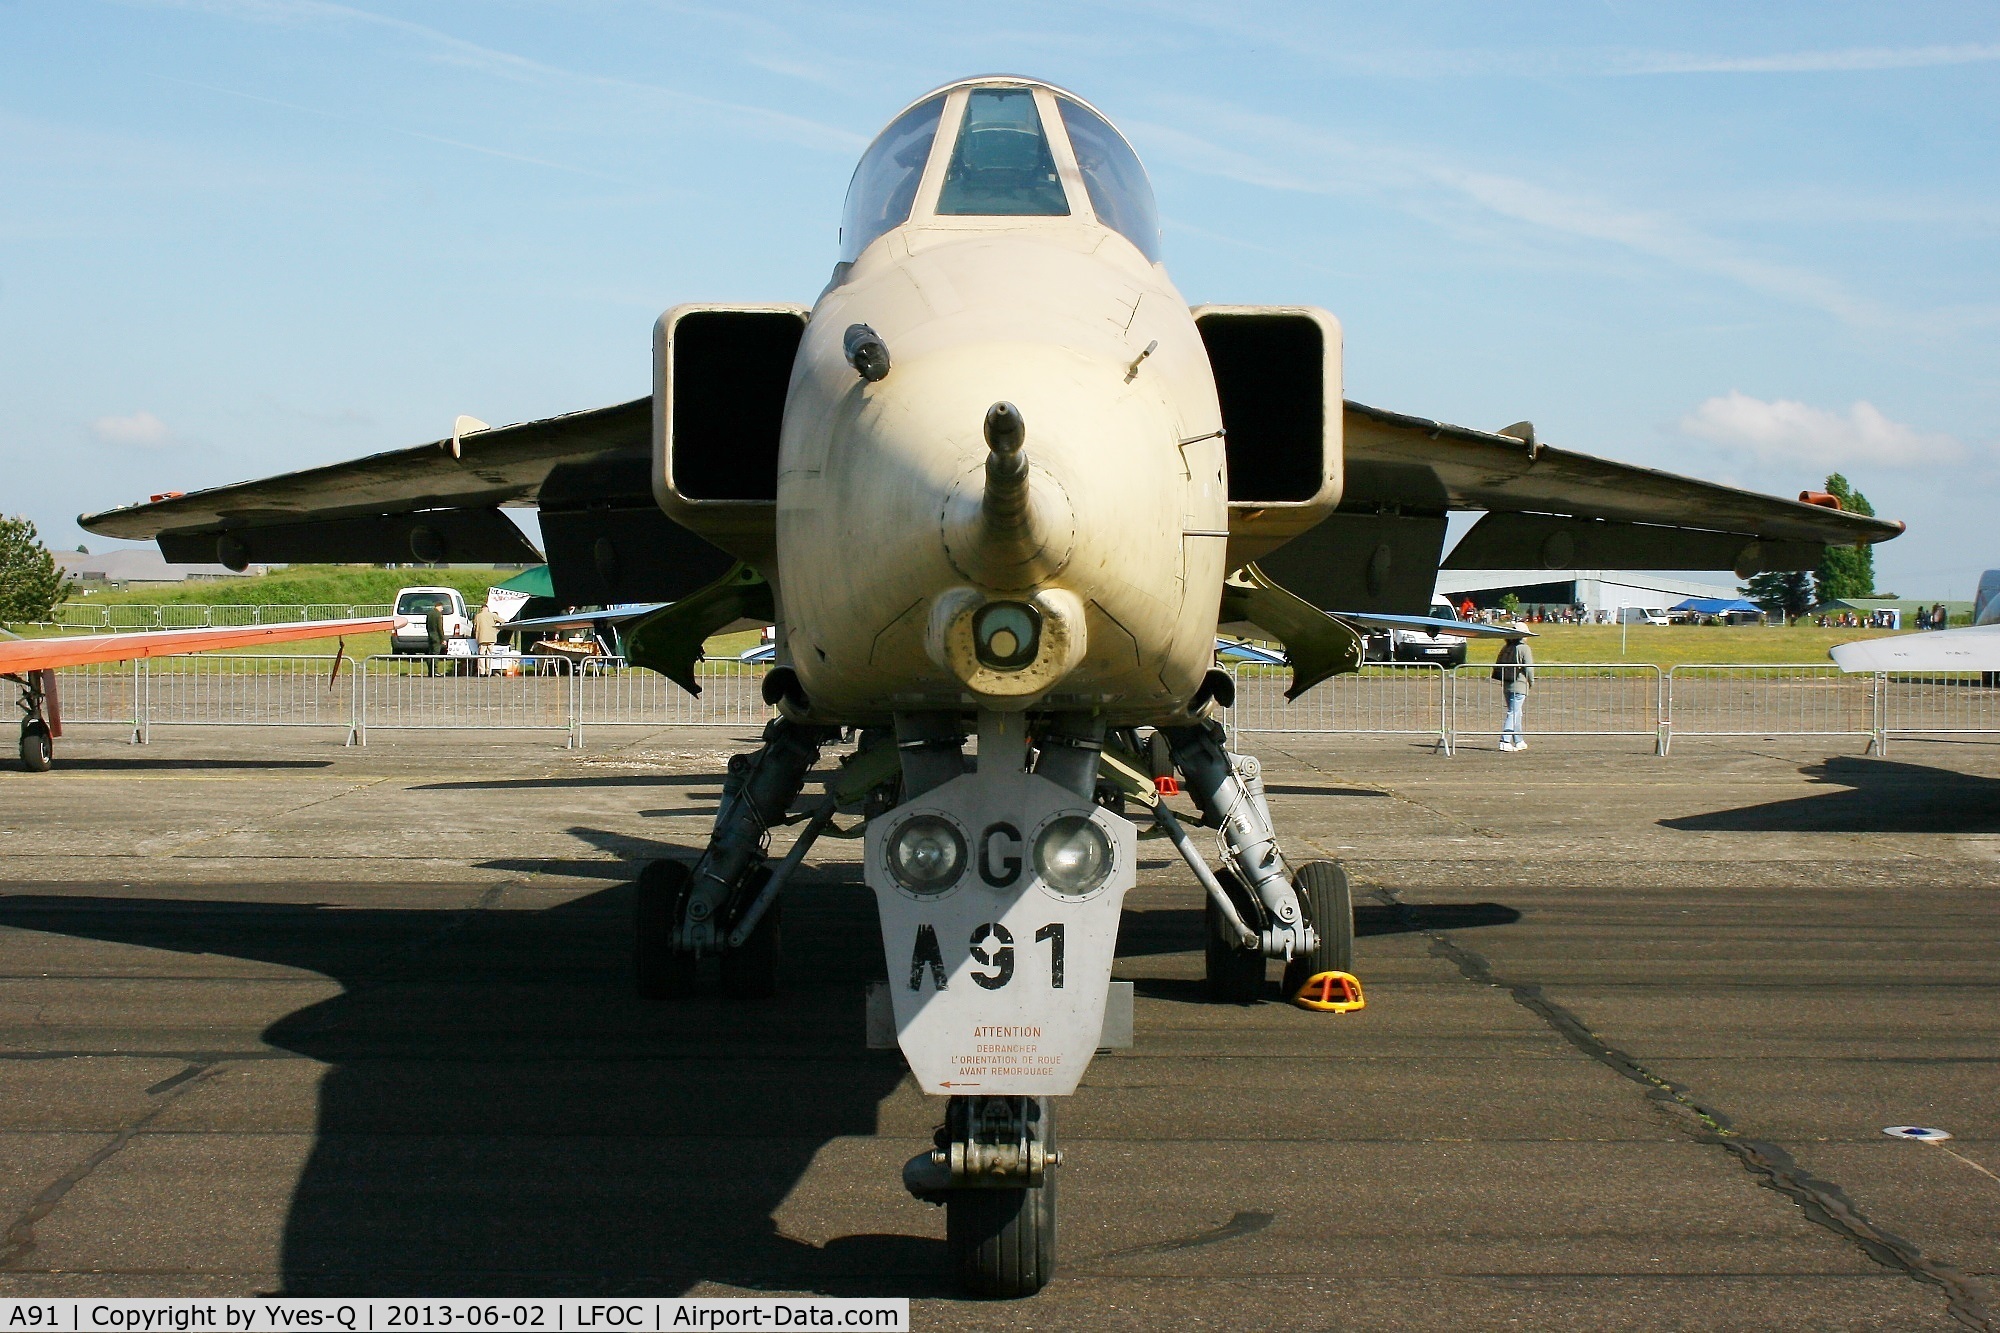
{"x":1753,"y":243}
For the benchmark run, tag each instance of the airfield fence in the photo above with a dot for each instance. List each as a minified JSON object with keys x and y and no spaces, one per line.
{"x":1568,"y":699}
{"x":108,"y":694}
{"x":1794,"y":699}
{"x":200,"y":615}
{"x":447,"y":693}
{"x":1418,"y":700}
{"x":1381,"y":699}
{"x":612,"y":693}
{"x":249,"y":690}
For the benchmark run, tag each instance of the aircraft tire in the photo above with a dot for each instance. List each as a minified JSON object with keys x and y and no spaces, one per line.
{"x":660,"y":972}
{"x":751,"y":972}
{"x":1328,"y":905}
{"x":1233,"y":974}
{"x":1003,"y":1242}
{"x":37,"y":753}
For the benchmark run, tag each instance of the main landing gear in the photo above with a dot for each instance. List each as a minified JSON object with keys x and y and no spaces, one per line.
{"x":41,"y":719}
{"x":727,"y":904}
{"x":1258,"y":908}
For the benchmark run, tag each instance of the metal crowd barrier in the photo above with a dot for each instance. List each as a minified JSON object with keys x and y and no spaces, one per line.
{"x":245,"y":690}
{"x":548,"y":693}
{"x":1567,"y":699}
{"x":1383,"y":698}
{"x":104,"y":694}
{"x":1948,"y":703}
{"x":610,"y":693}
{"x":444,"y":693}
{"x":202,"y":615}
{"x":1783,"y":699}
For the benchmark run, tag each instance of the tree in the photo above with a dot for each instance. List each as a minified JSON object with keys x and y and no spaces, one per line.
{"x":1846,"y":571}
{"x":31,"y":586}
{"x":1787,"y":595}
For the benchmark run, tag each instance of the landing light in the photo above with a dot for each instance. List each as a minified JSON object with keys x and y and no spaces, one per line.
{"x":926,"y":854}
{"x":1007,"y":635}
{"x":1072,"y":855}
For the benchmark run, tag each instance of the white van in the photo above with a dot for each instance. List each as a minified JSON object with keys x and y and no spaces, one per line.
{"x":1641,"y":615}
{"x":413,"y":605}
{"x":1415,"y":645}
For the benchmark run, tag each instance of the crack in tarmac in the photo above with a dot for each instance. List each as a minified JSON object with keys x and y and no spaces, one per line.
{"x":1822,"y":1201}
{"x":19,"y":1240}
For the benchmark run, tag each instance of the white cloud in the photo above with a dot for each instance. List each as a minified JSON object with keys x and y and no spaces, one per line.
{"x":141,"y":429}
{"x":1785,"y":431}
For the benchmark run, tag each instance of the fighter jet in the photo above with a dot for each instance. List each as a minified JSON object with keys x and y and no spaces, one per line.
{"x":1974,"y":647}
{"x":999,"y":484}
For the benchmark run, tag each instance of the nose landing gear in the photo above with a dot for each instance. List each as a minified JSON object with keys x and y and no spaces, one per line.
{"x":994,"y":1169}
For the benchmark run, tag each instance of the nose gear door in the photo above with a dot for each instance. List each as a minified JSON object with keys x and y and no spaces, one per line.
{"x":999,"y":896}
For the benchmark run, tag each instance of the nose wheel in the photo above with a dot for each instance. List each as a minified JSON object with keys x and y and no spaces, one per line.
{"x":1001,"y":1237}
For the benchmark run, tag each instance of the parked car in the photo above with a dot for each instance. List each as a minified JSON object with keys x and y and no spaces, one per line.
{"x":1417,"y":645}
{"x":409,"y":635}
{"x":1641,"y":615}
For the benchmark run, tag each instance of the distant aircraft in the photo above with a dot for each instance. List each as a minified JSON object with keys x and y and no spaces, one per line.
{"x":1976,"y":647}
{"x":1001,"y":482}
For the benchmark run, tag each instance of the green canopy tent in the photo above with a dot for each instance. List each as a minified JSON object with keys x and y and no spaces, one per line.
{"x":529,"y":593}
{"x":534,"y":582}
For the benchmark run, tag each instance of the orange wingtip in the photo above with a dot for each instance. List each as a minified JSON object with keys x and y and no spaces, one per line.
{"x":1331,"y":993}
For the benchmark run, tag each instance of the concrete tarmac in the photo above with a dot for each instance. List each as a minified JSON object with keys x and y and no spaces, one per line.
{"x":279,"y":1016}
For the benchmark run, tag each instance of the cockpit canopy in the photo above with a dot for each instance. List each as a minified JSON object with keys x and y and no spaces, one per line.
{"x":992,"y":148}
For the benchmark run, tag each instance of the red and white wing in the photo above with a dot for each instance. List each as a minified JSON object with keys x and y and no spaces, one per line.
{"x":23,"y":655}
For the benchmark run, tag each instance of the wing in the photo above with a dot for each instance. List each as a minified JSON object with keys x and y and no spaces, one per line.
{"x":1544,"y":508}
{"x":590,"y":473}
{"x":18,"y":656}
{"x":1533,"y":488}
{"x":1974,"y":648}
{"x":1465,"y":629}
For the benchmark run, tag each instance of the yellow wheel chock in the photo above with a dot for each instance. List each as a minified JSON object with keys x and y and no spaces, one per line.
{"x":1331,"y":993}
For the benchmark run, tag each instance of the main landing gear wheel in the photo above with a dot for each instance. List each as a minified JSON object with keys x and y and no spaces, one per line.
{"x":661,"y":973}
{"x":1329,"y":909}
{"x":37,"y":753}
{"x":1235,"y":975}
{"x":1003,"y":1242}
{"x":751,"y":971}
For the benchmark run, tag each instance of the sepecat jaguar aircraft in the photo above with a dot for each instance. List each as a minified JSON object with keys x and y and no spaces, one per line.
{"x":999,"y":485}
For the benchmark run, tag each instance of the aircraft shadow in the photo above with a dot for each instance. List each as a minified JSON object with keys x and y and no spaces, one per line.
{"x":1867,"y":796}
{"x":500,"y":1115}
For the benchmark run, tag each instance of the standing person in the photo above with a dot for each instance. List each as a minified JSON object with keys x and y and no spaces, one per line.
{"x":1515,"y":670}
{"x":485,"y":633}
{"x":434,"y":633}
{"x":1940,"y":618}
